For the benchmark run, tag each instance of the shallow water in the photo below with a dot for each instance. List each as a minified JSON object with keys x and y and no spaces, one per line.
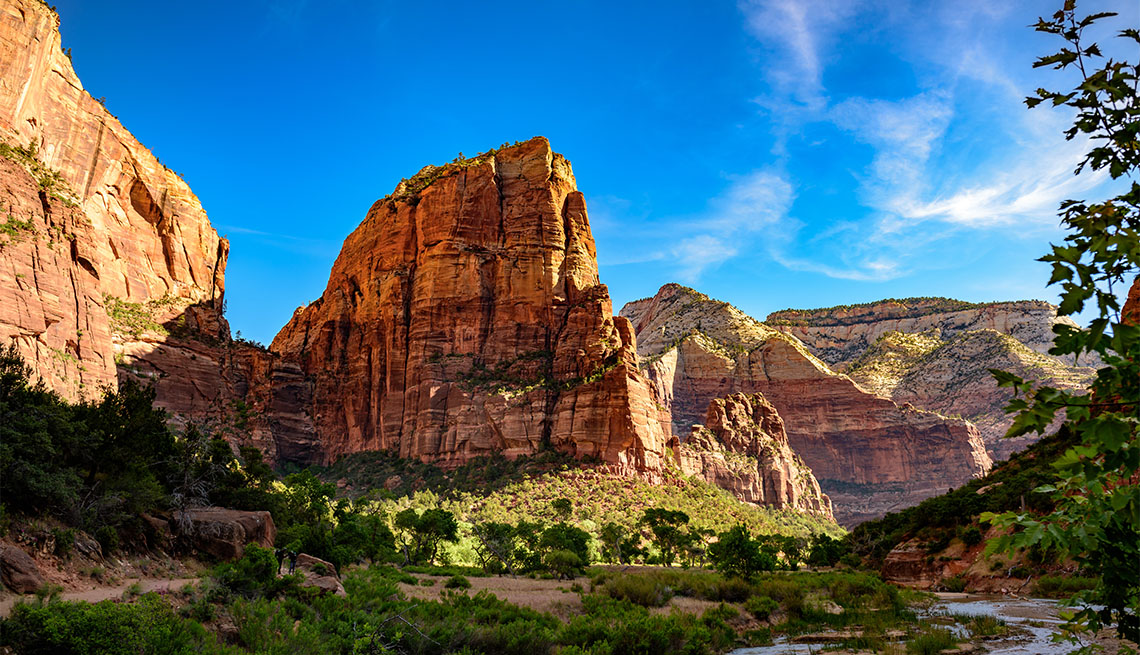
{"x":1037,"y":617}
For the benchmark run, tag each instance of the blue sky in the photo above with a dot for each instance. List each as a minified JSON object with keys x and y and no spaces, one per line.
{"x":771,"y":153}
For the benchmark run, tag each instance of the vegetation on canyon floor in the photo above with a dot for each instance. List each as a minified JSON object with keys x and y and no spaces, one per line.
{"x":245,"y":607}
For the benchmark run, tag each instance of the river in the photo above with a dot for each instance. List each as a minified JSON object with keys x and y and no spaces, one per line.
{"x":1035,"y":619}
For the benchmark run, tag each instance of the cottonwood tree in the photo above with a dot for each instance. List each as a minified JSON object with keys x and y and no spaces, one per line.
{"x":1096,"y":515}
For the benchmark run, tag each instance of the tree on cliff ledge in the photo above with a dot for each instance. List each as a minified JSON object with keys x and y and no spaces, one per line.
{"x":1096,"y":520}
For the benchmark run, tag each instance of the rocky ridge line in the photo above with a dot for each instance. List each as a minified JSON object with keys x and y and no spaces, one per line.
{"x":869,"y":454}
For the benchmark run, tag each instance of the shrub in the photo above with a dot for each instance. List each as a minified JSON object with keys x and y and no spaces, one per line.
{"x":254,"y":575}
{"x":761,"y":607}
{"x":972,"y":536}
{"x":1059,"y":586}
{"x":457,"y":582}
{"x":642,"y":590}
{"x":563,"y":563}
{"x":148,"y":625}
{"x":955,"y":584}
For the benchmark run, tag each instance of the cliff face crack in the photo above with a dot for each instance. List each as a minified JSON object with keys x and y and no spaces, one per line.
{"x":410,"y":280}
{"x":90,"y":175}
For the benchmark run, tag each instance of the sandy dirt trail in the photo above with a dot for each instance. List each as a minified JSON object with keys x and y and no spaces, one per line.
{"x":104,"y":593}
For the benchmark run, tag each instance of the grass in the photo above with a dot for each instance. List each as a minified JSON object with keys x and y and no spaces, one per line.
{"x":135,"y":318}
{"x":1056,"y":586}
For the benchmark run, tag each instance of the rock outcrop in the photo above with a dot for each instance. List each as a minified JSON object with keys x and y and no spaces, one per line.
{"x":224,"y":533}
{"x":106,"y":256}
{"x":869,"y":454}
{"x":319,"y":574}
{"x":839,"y":335}
{"x":18,"y":571}
{"x":952,"y":377}
{"x":464,"y":317}
{"x":742,"y":448}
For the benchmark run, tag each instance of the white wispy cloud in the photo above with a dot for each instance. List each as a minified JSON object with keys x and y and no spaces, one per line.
{"x":753,"y":204}
{"x":959,"y":159}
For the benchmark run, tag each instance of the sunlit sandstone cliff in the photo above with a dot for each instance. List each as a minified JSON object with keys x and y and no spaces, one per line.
{"x":935,"y":353}
{"x":869,"y":454}
{"x":952,"y":377}
{"x":742,"y":447}
{"x":839,"y":335}
{"x":100,"y":244}
{"x":464,"y":317}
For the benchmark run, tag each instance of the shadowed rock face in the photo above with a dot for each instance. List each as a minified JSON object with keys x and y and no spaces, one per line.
{"x":465,"y":317}
{"x":742,"y":447}
{"x":869,"y":454}
{"x":95,"y":226}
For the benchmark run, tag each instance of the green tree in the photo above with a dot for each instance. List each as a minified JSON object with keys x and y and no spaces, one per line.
{"x":736,"y":553}
{"x":1096,"y":514}
{"x":612,"y":536}
{"x":563,"y":508}
{"x":668,"y":533}
{"x":423,"y":533}
{"x":496,"y":546}
{"x":37,"y":434}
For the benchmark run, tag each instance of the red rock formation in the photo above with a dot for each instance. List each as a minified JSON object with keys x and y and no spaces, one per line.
{"x":1130,"y":313}
{"x":742,"y":447}
{"x":464,"y":317}
{"x":224,"y":533}
{"x":869,"y":454}
{"x":95,"y":225}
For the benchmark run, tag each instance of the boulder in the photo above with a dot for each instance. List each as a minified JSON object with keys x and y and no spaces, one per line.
{"x":319,"y":574}
{"x":224,"y":533}
{"x":18,"y":571}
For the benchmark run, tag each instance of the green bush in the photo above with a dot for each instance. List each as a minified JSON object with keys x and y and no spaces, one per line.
{"x":148,"y":625}
{"x":642,"y":590}
{"x":931,"y":642}
{"x":457,"y":582}
{"x":955,"y":584}
{"x":761,"y":607}
{"x":253,"y":575}
{"x":972,"y":536}
{"x":1061,"y":586}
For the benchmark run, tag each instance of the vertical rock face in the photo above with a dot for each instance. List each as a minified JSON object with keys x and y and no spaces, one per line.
{"x":742,"y":447}
{"x":868,"y":453}
{"x":464,"y":316}
{"x":105,"y":252}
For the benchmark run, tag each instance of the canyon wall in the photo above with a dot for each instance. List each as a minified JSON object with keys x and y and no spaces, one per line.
{"x":464,"y":317}
{"x":935,"y":353}
{"x":869,"y":454}
{"x":952,"y":377}
{"x":110,"y":266}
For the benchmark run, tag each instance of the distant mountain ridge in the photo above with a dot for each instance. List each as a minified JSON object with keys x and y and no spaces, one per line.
{"x":868,"y":453}
{"x":839,"y":335}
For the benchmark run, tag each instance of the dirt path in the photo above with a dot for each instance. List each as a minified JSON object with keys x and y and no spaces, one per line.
{"x":104,"y":593}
